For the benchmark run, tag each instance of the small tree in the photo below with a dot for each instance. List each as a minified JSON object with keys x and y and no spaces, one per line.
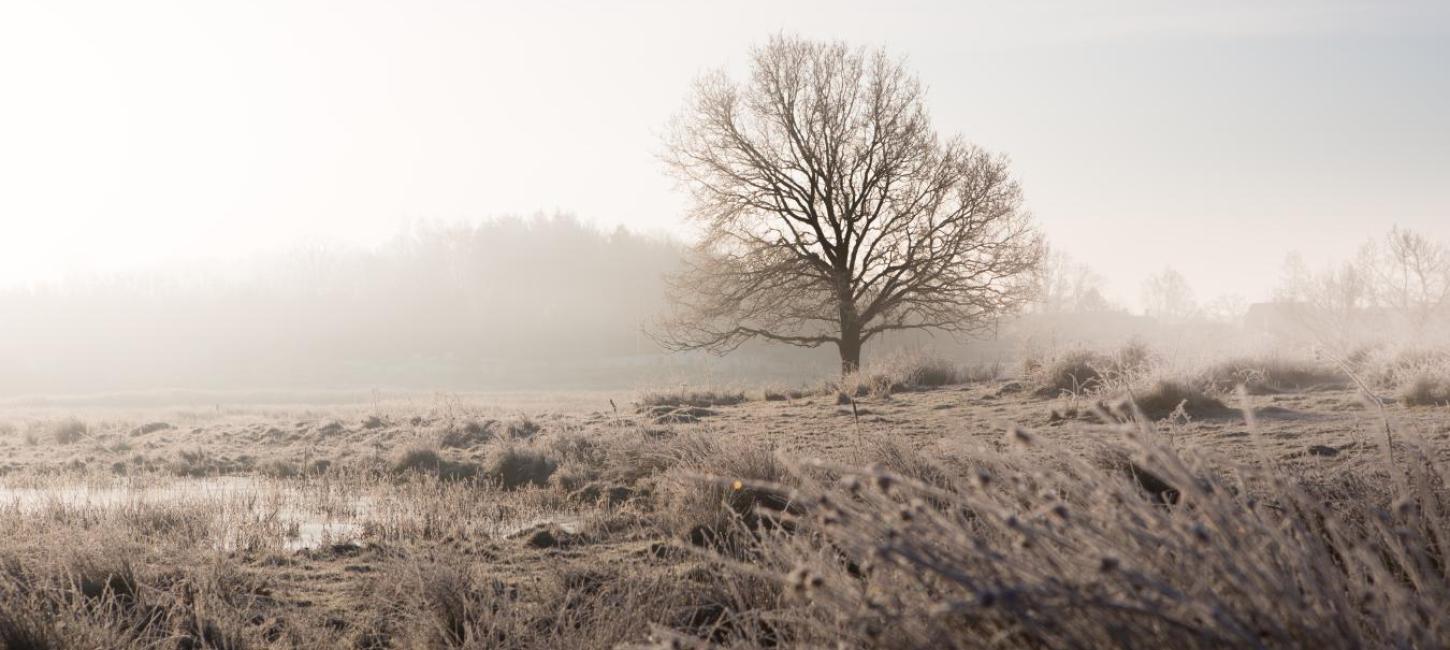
{"x":832,"y":212}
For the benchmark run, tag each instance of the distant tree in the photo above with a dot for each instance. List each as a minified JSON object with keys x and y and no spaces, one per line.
{"x":832,"y":212}
{"x":1331,"y":303}
{"x":1167,"y":296}
{"x":1410,"y":274}
{"x":1226,"y":308}
{"x":1067,"y":286}
{"x":1403,"y":279}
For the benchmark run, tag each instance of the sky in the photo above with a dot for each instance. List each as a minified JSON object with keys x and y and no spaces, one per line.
{"x":1214,"y":138}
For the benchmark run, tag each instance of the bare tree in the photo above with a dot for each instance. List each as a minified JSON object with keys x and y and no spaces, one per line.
{"x":1330,"y":303}
{"x":1166,"y":295}
{"x":1410,"y":275}
{"x":832,"y":212}
{"x":1066,"y":286}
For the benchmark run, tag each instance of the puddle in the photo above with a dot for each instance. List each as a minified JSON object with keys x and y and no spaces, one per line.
{"x":240,"y":507}
{"x":256,"y":512}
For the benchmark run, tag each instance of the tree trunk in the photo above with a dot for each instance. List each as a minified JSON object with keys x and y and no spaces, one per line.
{"x":850,"y":346}
{"x":850,"y":343}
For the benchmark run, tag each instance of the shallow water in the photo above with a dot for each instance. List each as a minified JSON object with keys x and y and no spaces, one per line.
{"x":302,"y":518}
{"x":252,"y":512}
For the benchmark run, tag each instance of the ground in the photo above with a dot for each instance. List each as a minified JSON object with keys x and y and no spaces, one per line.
{"x":334,"y":513}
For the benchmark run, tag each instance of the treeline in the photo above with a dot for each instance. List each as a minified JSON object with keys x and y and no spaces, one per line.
{"x":546,"y":301}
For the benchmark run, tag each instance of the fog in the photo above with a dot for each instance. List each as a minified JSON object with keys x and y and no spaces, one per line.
{"x":304,"y":197}
{"x":553,"y":302}
{"x":545,"y":301}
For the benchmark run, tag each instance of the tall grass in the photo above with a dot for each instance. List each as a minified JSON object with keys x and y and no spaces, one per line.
{"x":1054,"y":551}
{"x":1107,"y":537}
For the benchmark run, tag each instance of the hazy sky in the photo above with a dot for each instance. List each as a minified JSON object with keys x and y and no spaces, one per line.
{"x":1213,"y":138}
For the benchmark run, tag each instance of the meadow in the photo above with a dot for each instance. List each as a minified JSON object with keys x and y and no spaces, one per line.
{"x":1086,"y":498}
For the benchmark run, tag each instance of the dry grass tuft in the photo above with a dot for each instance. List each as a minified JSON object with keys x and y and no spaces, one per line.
{"x":424,"y":459}
{"x":1269,"y":375}
{"x":513,"y":466}
{"x":718,"y":493}
{"x":1166,"y":397}
{"x":1080,"y":371}
{"x":1426,"y":389}
{"x":699,"y":397}
{"x":467,"y":434}
{"x":68,"y":431}
{"x":778,"y":394}
{"x":906,"y":372}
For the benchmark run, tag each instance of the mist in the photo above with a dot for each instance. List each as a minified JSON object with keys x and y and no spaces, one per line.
{"x":508,"y":303}
{"x":556,"y":303}
{"x":345,"y":324}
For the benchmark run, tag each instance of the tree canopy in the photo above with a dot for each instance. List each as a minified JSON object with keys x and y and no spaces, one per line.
{"x":831,"y":211}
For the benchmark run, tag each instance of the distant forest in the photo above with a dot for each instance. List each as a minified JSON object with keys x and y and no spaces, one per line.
{"x":509,"y":303}
{"x":538,"y":303}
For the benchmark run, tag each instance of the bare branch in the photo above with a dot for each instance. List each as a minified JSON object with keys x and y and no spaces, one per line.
{"x":833,"y":212}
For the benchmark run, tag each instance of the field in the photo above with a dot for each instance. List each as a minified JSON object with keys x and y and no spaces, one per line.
{"x":919,"y":507}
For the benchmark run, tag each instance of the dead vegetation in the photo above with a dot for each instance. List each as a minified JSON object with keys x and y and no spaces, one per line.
{"x":68,"y":431}
{"x":908,"y":372}
{"x":1426,"y":389}
{"x":692,"y":397}
{"x":1269,"y":375}
{"x":1165,"y":398}
{"x":614,"y":529}
{"x":1415,"y":376}
{"x":1082,"y":371}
